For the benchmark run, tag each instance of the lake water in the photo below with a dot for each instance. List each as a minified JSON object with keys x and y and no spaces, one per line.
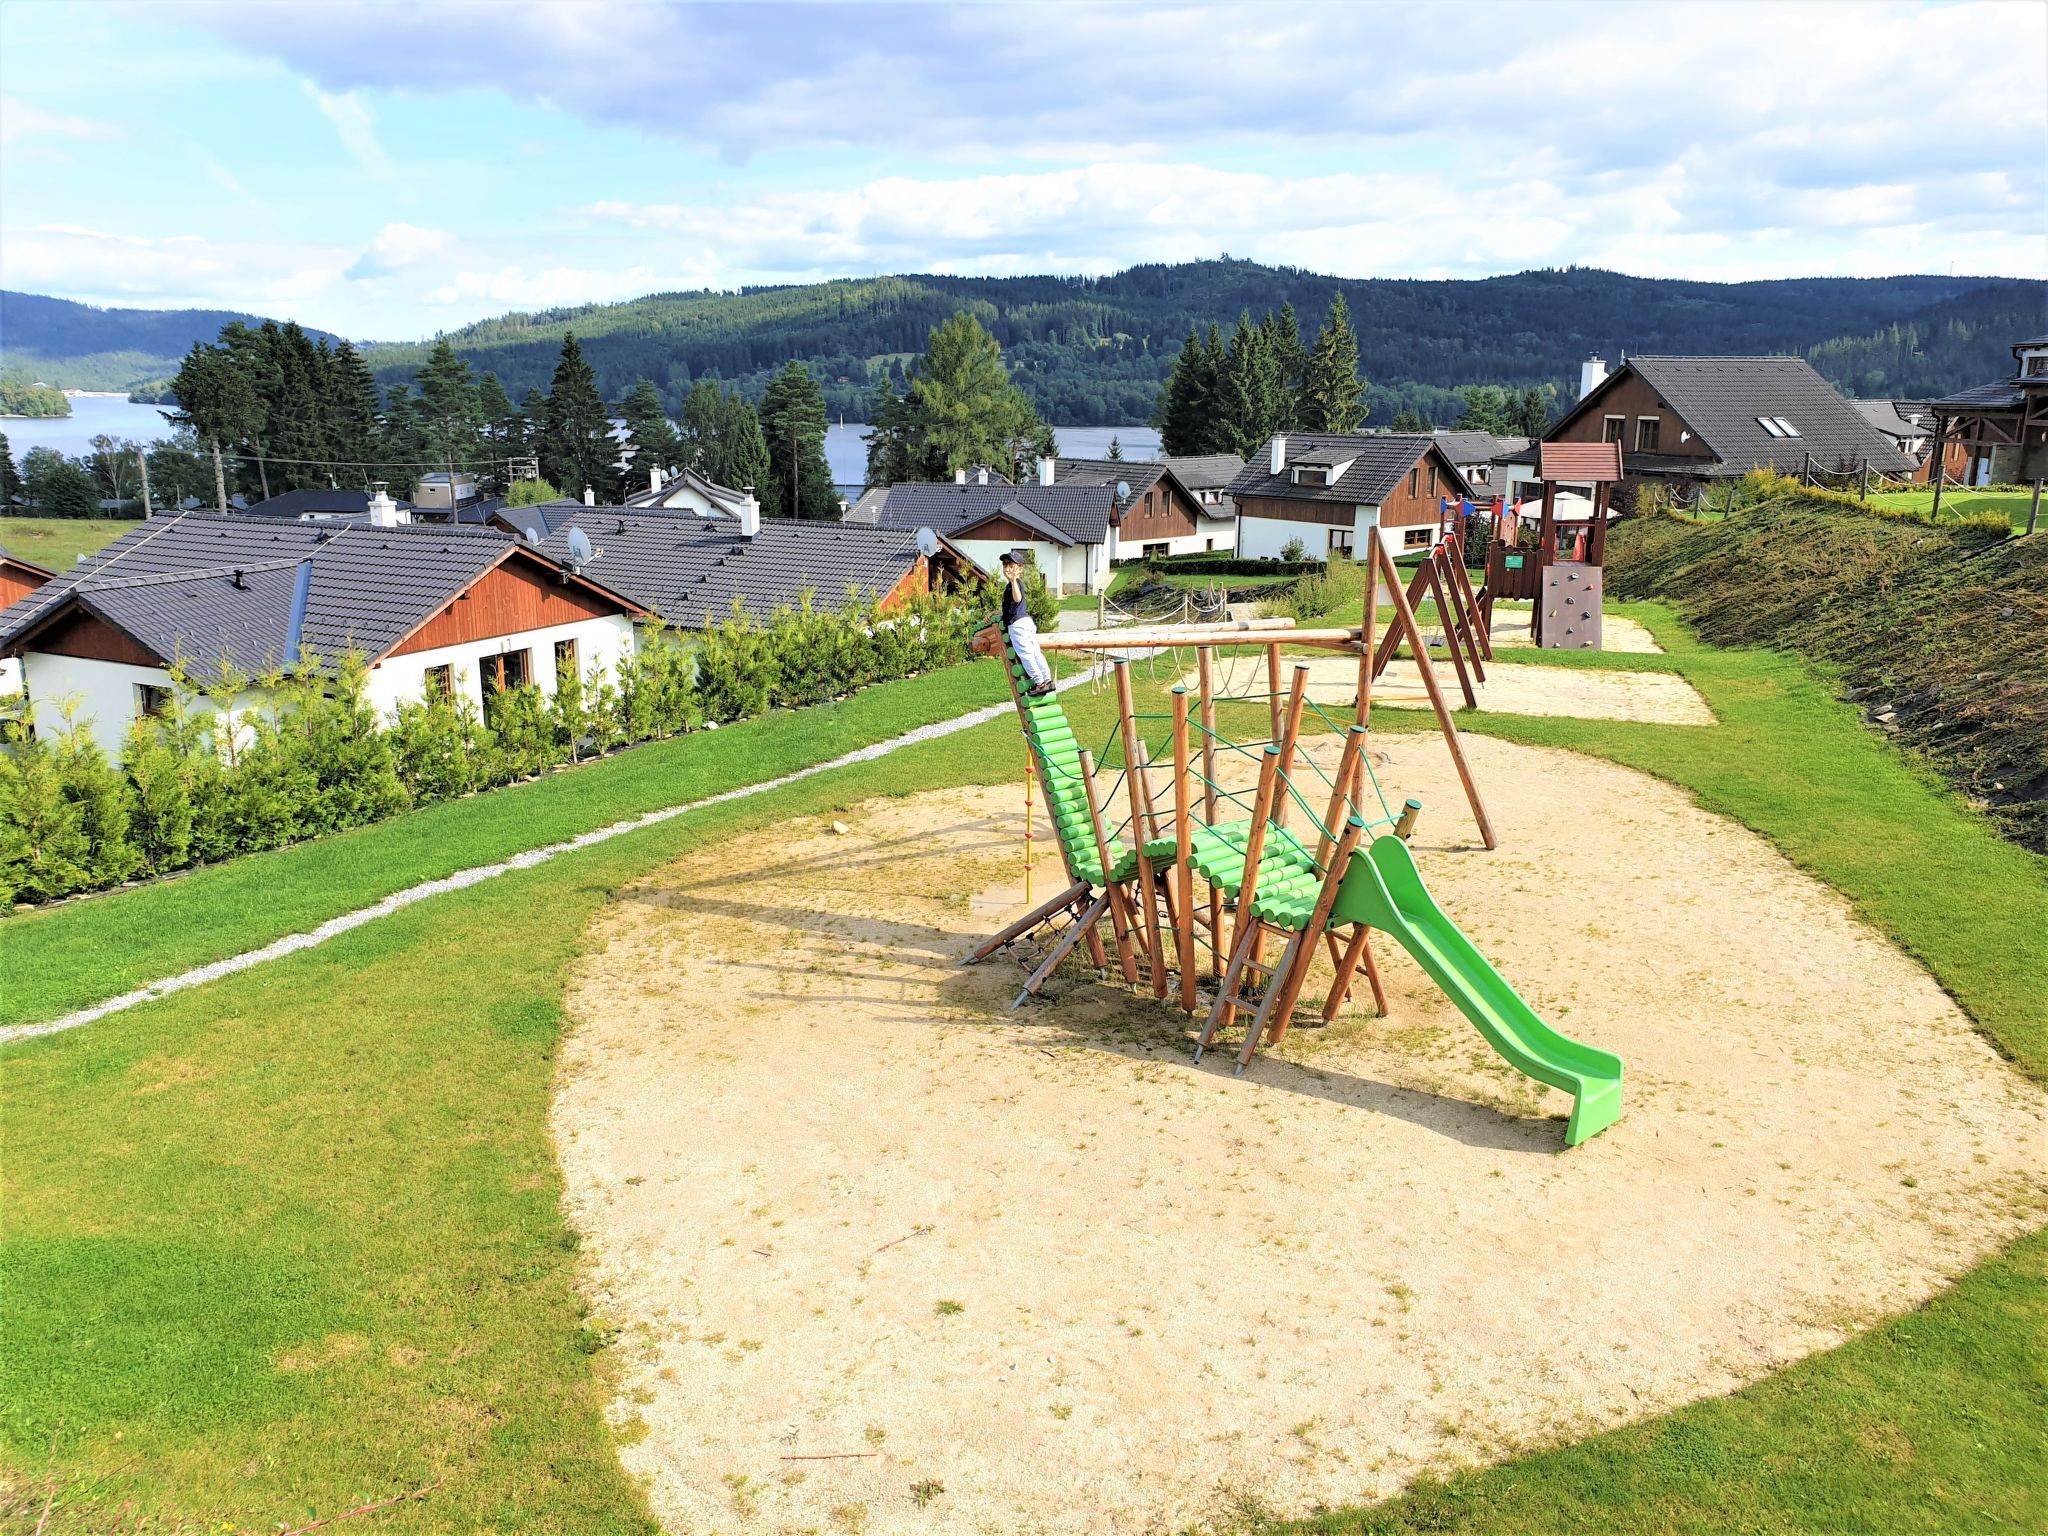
{"x":845,"y":448}
{"x":90,"y":415}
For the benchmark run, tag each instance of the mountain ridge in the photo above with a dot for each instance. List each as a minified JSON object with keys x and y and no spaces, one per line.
{"x":1092,"y":351}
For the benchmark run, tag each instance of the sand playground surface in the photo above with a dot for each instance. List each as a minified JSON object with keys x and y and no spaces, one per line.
{"x":888,"y":1257}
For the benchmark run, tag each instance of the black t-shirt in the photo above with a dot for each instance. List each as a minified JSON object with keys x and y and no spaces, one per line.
{"x":1013,"y":602}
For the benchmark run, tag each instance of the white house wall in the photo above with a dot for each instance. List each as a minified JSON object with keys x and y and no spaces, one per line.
{"x":107,"y":702}
{"x":1067,"y":568}
{"x":601,"y":644}
{"x":1263,"y":538}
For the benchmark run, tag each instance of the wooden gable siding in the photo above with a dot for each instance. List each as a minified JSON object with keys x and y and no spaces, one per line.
{"x":1161,"y":512}
{"x":915,"y":583}
{"x":18,"y":580}
{"x":92,"y":637}
{"x":1629,"y":397}
{"x":509,"y":599}
{"x":1287,"y":509}
{"x":998,"y":527}
{"x":1438,"y":479}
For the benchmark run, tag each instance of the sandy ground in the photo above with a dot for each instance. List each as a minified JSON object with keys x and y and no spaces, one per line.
{"x":887,"y":1257}
{"x":1583,"y":693}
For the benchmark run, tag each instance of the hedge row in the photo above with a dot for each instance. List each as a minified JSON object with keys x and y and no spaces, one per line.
{"x":315,"y":758}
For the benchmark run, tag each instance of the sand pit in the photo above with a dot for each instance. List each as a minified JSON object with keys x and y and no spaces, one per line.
{"x":1036,"y":1272}
{"x":1582,"y":693}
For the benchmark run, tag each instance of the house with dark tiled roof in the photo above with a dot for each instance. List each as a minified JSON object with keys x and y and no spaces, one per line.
{"x":454,"y":609}
{"x":1065,"y":529}
{"x":688,"y":572}
{"x":688,"y":493}
{"x":325,"y":503}
{"x":1333,"y":491}
{"x":1997,"y":433}
{"x":1209,"y":476}
{"x":1689,"y":420}
{"x":1156,"y":512}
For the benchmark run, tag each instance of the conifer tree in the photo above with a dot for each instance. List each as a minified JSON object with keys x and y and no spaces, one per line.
{"x":964,"y":409}
{"x":577,"y":449}
{"x":793,"y":422}
{"x":504,"y":429}
{"x":450,"y":411}
{"x":351,"y":413}
{"x":10,"y":477}
{"x":1254,"y":406}
{"x":656,"y":447}
{"x":889,"y":434}
{"x":1332,"y":395}
{"x":1290,"y":358}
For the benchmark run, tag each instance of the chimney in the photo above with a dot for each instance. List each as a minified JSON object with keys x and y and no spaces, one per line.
{"x":750,"y":515}
{"x":383,"y":510}
{"x":1279,"y":462}
{"x":1592,"y":374}
{"x":654,"y":479}
{"x":959,"y":477}
{"x":589,"y":497}
{"x":1047,"y":468}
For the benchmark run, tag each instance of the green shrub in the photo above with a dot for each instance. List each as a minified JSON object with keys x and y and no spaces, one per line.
{"x":736,"y":672}
{"x":162,"y":820}
{"x":44,"y":853}
{"x":1294,"y":550}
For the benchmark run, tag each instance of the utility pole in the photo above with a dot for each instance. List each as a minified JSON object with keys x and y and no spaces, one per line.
{"x":796,"y":471}
{"x":142,"y":464}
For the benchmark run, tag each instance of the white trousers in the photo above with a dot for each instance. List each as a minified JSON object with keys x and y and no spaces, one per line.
{"x":1024,"y":641}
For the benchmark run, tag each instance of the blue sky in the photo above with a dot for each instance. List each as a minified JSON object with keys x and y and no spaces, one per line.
{"x":391,"y":170}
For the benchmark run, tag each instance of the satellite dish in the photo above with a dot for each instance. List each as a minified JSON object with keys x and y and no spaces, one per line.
{"x":927,"y":543}
{"x":579,"y":548}
{"x":533,"y":535}
{"x":1123,"y":490}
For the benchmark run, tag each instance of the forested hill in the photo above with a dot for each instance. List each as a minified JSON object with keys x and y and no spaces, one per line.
{"x":81,"y":346}
{"x":1092,"y":351}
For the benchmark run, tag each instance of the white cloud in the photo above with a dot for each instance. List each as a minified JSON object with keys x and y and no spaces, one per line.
{"x":24,"y":120}
{"x":397,"y":246}
{"x":352,"y":121}
{"x":517,"y":288}
{"x":172,"y":271}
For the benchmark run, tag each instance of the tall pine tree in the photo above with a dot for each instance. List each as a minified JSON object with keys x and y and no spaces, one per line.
{"x":1332,"y":395}
{"x":793,"y":422}
{"x":1254,"y":405}
{"x":450,"y":411}
{"x":577,"y":450}
{"x":351,"y":415}
{"x":655,"y":447}
{"x":964,"y":410}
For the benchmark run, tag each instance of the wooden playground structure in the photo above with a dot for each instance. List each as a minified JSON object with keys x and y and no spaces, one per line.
{"x":1309,"y":857}
{"x":1560,"y":572}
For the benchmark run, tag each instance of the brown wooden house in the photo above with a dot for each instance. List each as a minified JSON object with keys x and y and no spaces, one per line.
{"x":1330,"y":491}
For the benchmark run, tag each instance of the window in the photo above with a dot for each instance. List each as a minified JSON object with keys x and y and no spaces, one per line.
{"x":1415,"y":481}
{"x":1616,"y":427}
{"x":1418,"y":538}
{"x":1785,"y":426}
{"x":2037,"y":367}
{"x":507,"y":669}
{"x":1156,"y":551}
{"x":1777,"y":426}
{"x":440,"y":682}
{"x":1647,"y":429}
{"x":566,"y":668}
{"x":1340,"y":541}
{"x":1432,"y":479}
{"x":152,"y":702}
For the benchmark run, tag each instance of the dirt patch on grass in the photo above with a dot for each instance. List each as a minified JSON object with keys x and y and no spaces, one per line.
{"x":1037,"y":1272}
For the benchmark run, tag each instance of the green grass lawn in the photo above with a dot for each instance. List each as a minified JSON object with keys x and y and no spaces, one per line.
{"x":57,"y":542}
{"x":293,"y":1241}
{"x":69,"y":956}
{"x":2012,"y":505}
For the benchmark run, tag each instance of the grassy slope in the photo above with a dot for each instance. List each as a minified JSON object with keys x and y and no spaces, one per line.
{"x":70,"y":956}
{"x":1930,"y":1423}
{"x":2012,"y":505}
{"x":339,"y":1163}
{"x":57,"y":542}
{"x":294,"y":1240}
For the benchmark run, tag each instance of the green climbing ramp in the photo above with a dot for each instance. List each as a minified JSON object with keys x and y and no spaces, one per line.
{"x":1384,"y":890}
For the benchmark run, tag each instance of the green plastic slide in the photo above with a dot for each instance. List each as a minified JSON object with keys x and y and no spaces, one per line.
{"x":1384,"y":890}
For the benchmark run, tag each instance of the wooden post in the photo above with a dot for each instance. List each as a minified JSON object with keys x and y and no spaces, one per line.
{"x":1340,"y":795}
{"x":1405,"y":617}
{"x":1273,"y":686}
{"x":1806,"y":467}
{"x":1289,"y":985}
{"x":1940,"y":453}
{"x":1141,"y":828}
{"x":1361,"y":710}
{"x":1546,"y":556}
{"x":1205,"y":671}
{"x":1451,"y":641}
{"x":1863,"y":478}
{"x":1119,"y":910}
{"x":2034,"y":508}
{"x":1183,"y":852}
{"x":1255,"y":839}
{"x":1404,"y":827}
{"x":1290,"y":733}
{"x":1463,"y":579}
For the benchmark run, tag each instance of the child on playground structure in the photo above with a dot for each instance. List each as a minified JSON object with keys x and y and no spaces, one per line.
{"x":1018,"y":625}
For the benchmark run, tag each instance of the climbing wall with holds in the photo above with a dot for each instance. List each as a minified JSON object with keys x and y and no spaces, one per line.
{"x":1568,"y":608}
